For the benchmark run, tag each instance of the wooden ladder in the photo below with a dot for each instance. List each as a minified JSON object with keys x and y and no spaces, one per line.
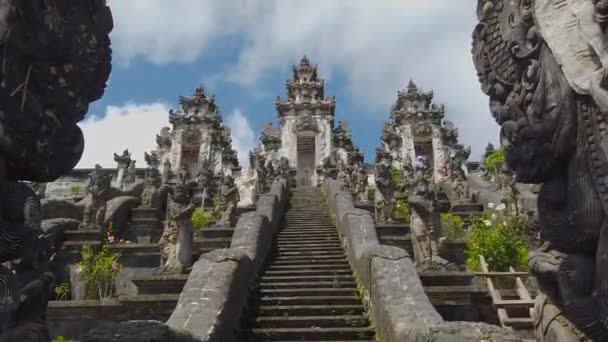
{"x":503,"y":306}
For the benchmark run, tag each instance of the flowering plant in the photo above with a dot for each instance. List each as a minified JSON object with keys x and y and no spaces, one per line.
{"x":98,"y":271}
{"x":498,"y":235}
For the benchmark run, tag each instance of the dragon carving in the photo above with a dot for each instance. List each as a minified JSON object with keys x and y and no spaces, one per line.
{"x":541,"y":64}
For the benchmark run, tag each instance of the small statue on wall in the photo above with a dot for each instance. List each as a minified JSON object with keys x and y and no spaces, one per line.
{"x":343,"y":175}
{"x":154,"y":192}
{"x":247,"y":183}
{"x":95,"y":209}
{"x":425,"y":224}
{"x":226,"y":206}
{"x":461,"y":189}
{"x":384,"y":196}
{"x":176,"y":240}
{"x":360,"y":177}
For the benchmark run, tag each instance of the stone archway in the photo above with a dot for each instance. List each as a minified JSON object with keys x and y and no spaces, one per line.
{"x":306,"y":152}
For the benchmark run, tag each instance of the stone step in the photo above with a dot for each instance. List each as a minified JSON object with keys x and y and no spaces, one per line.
{"x":310,"y":247}
{"x":309,"y":285}
{"x":310,"y":253}
{"x":306,"y":278}
{"x":311,"y":300}
{"x":307,"y":239}
{"x":299,"y":272}
{"x":309,"y":232}
{"x":309,"y":266}
{"x":83,"y":235}
{"x":311,"y":321}
{"x":76,"y":246}
{"x":309,"y":310}
{"x":307,"y":261}
{"x":309,"y":292}
{"x":212,"y":233}
{"x":213,"y":243}
{"x":318,"y":258}
{"x":314,"y":334}
{"x":160,"y":284}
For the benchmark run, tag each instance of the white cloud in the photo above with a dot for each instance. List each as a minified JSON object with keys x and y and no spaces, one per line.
{"x":243,"y":136}
{"x":133,"y":126}
{"x":377,"y":45}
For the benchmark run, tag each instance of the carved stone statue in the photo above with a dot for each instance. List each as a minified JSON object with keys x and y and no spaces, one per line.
{"x":226,"y":206}
{"x":543,"y":65}
{"x":47,"y":86}
{"x":360,"y":177}
{"x":247,"y":184}
{"x":154,"y":193}
{"x":343,"y":175}
{"x":425,"y":223}
{"x":176,"y":240}
{"x":384,"y":196}
{"x":461,"y":189}
{"x":130,"y":174}
{"x":95,"y":209}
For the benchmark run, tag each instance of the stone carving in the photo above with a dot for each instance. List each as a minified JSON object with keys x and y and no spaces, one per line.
{"x":260,"y":169}
{"x":57,"y":62}
{"x":384,"y":196}
{"x":425,"y":223}
{"x":154,"y":192}
{"x":270,"y":139}
{"x":164,"y":140}
{"x":176,"y":240}
{"x":361,"y":183}
{"x":542,"y":63}
{"x":152,"y":159}
{"x":306,"y":123}
{"x":343,"y":175}
{"x":247,"y":184}
{"x":39,"y":189}
{"x":461,"y":189}
{"x":95,"y":209}
{"x":225,"y":209}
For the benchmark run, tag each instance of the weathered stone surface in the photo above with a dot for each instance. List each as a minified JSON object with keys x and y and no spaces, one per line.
{"x":51,"y":209}
{"x":343,"y":204}
{"x":269,"y":208}
{"x":360,"y":232}
{"x":400,"y":307}
{"x":212,"y":301}
{"x":138,"y":331}
{"x":252,"y":236}
{"x":557,"y":66}
{"x":468,"y":331}
{"x":118,"y":211}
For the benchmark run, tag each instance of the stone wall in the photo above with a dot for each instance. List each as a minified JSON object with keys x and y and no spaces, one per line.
{"x":398,"y":304}
{"x":214,"y":297}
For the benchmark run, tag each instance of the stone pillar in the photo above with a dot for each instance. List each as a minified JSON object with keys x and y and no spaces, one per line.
{"x":439,"y":153}
{"x":289,"y":141}
{"x":323,"y":141}
{"x":407,"y":141}
{"x":176,"y":151}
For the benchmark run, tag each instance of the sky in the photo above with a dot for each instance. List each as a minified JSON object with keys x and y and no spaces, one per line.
{"x":242,"y":51}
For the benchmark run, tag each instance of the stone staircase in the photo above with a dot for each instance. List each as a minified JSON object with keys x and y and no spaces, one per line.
{"x":308,"y":291}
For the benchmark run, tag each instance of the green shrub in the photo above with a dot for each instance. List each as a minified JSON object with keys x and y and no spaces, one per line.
{"x":98,"y":271}
{"x":371,"y":193}
{"x":453,"y":226}
{"x":498,"y":236}
{"x":75,"y":190}
{"x":202,"y":218}
{"x":402,"y":211}
{"x":62,"y":291}
{"x":493,"y":161}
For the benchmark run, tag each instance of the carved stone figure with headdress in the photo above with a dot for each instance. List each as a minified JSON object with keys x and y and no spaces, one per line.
{"x":360,"y":176}
{"x":425,"y":223}
{"x":176,"y":240}
{"x":95,"y":209}
{"x":543,"y":64}
{"x":153,"y":193}
{"x":384,"y":196}
{"x":247,"y":184}
{"x":227,"y":203}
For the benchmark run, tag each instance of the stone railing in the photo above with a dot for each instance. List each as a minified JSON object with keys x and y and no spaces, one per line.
{"x":216,"y":292}
{"x":398,"y":303}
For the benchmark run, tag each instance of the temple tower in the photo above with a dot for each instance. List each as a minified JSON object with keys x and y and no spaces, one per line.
{"x":197,"y":139}
{"x":306,"y":118}
{"x":414,"y":132}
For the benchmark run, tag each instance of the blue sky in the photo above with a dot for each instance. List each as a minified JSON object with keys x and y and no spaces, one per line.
{"x":242,"y":51}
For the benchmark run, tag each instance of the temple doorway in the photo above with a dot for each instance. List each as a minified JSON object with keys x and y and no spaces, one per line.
{"x":424,"y":149}
{"x":306,"y":159}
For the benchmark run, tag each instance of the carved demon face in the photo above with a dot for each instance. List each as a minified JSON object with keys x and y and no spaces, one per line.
{"x":529,"y":96}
